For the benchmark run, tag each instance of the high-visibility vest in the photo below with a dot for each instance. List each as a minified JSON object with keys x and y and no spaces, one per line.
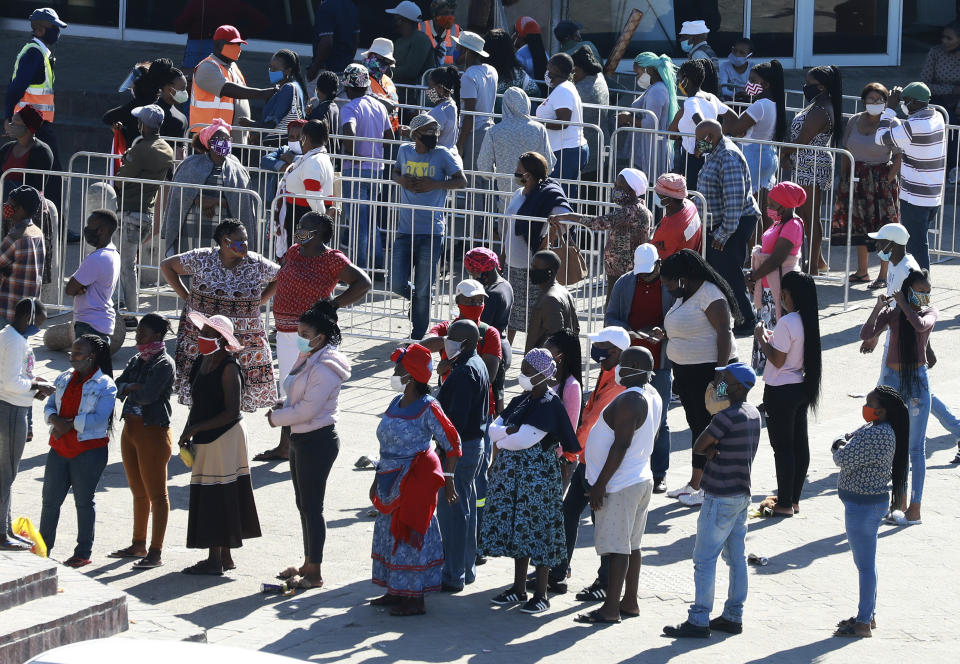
{"x":205,"y":106}
{"x":448,"y":45}
{"x":386,"y":89}
{"x":39,"y":96}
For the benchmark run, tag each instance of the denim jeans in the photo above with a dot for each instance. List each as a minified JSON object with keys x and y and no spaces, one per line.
{"x":365,"y":244}
{"x":458,"y":521}
{"x":481,"y":482}
{"x":944,"y":415}
{"x":660,"y":459}
{"x":134,"y":227}
{"x":82,"y":473}
{"x":420,"y":253}
{"x":918,"y":219}
{"x":721,"y":530}
{"x":573,"y":505}
{"x":729,"y":263}
{"x":862,"y":520}
{"x":13,"y":438}
{"x":918,"y":406}
{"x":570,"y":162}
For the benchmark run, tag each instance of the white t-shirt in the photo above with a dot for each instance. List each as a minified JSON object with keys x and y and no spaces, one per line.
{"x":480,"y":82}
{"x":564,"y":95}
{"x":899,"y":272}
{"x":635,"y":467}
{"x":517,"y":251}
{"x":704,"y":104}
{"x":764,"y":114}
{"x":691,"y":339}
{"x":787,"y":338}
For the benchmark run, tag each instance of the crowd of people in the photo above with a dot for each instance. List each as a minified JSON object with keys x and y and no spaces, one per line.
{"x":506,"y":477}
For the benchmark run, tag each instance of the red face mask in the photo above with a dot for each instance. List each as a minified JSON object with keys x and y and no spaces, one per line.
{"x":8,"y":211}
{"x":471,"y":312}
{"x":207,"y":345}
{"x":870,"y":414}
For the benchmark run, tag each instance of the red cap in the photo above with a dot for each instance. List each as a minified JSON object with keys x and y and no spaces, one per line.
{"x":229,"y":34}
{"x":527,"y":26}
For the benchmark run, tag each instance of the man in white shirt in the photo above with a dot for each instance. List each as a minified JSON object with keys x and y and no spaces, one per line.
{"x":618,"y":472}
{"x":478,"y":94}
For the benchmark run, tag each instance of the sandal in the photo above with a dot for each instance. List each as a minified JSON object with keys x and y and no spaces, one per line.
{"x":363,"y":462}
{"x":594,"y":618}
{"x":146,"y":563}
{"x":858,"y":278}
{"x":270,"y":455}
{"x":877,"y":284}
{"x":76,"y":562}
{"x":288,"y":573}
{"x":129,"y":552}
{"x":626,"y":614}
{"x":204,"y":568}
{"x":303,"y":583}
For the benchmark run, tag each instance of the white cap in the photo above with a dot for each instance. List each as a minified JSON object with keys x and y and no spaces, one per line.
{"x":383,"y":47}
{"x":407,"y":10}
{"x":472,"y":42}
{"x":694,"y":28}
{"x":645,"y":258}
{"x":897,"y":233}
{"x":615,"y":335}
{"x":470,"y":288}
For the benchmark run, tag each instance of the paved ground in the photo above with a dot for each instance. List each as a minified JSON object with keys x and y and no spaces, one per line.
{"x":808,"y":585}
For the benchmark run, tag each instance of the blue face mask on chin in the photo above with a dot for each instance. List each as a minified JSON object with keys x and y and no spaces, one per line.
{"x":883,"y":255}
{"x":275,"y":76}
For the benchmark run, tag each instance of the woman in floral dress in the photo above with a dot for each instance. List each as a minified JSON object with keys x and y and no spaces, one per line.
{"x":522,"y":518}
{"x":234,"y":282}
{"x":407,"y":549}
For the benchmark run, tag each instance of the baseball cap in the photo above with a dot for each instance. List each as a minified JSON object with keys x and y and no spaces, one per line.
{"x":526,"y":25}
{"x":916,"y":90}
{"x":423,"y":120}
{"x":742,"y":372}
{"x":229,"y":34}
{"x":645,"y":258}
{"x":613,"y":334}
{"x":150,"y":115}
{"x":406,"y":9}
{"x":47,"y":14}
{"x":470,"y":288}
{"x":896,"y":233}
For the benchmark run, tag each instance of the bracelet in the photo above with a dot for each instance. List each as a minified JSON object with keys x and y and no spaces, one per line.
{"x":448,"y":474}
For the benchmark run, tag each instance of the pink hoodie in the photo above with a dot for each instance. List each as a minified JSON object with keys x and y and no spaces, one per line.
{"x":313,"y":392}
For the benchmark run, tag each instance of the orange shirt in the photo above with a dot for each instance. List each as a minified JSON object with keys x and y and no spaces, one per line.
{"x":606,"y":391}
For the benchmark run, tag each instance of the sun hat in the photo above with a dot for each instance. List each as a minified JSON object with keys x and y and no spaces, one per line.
{"x":694,"y":28}
{"x":221,"y":324}
{"x":383,"y":47}
{"x":423,"y":120}
{"x":472,"y":42}
{"x":356,"y":76}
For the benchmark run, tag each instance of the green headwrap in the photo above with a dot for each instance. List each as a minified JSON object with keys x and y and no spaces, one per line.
{"x":667,"y":71}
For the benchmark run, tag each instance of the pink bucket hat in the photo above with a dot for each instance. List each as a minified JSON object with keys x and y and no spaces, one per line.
{"x":221,"y":324}
{"x":671,"y":185}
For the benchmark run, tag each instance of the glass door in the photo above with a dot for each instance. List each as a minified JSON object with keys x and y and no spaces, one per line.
{"x":845,"y":32}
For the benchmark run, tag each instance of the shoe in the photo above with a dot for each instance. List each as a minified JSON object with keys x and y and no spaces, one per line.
{"x":508,"y":597}
{"x":130,"y":322}
{"x":536,"y":604}
{"x":956,"y":459}
{"x":659,"y":485}
{"x":692,"y":499}
{"x":595,"y":592}
{"x":682,"y":491}
{"x":721,"y":624}
{"x":686,"y":629}
{"x":480,"y":560}
{"x":11,"y":544}
{"x":447,"y":588}
{"x":895,"y":518}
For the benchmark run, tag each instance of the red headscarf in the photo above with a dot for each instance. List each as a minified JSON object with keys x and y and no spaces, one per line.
{"x":480,"y":260}
{"x":417,"y":360}
{"x":788,"y":194}
{"x":526,"y":26}
{"x":31,"y":117}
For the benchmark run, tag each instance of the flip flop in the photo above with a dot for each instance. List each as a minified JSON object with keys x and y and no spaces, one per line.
{"x":625,"y":615}
{"x":145,"y":563}
{"x":877,"y":284}
{"x":202,"y":568}
{"x":126,"y":553}
{"x":594,"y":618}
{"x":270,"y":455}
{"x":305,"y":584}
{"x":288,"y":573}
{"x":855,"y":278}
{"x":363,"y":462}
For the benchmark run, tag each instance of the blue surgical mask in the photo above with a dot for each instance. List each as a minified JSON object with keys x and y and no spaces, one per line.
{"x":659,"y":202}
{"x":686,"y":46}
{"x":275,"y":76}
{"x":303,"y":345}
{"x":31,"y":330}
{"x":598,"y":354}
{"x":883,"y":255}
{"x":737,"y":60}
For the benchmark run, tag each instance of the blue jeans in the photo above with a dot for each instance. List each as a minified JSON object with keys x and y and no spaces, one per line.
{"x":762,"y":161}
{"x":729,"y":263}
{"x":660,"y":459}
{"x":420,"y":253}
{"x":570,"y":161}
{"x":481,"y":481}
{"x":82,"y":472}
{"x":918,"y":220}
{"x":944,"y":415}
{"x":458,"y":521}
{"x":918,"y":406}
{"x":366,"y":245}
{"x":721,"y":529}
{"x":862,"y":520}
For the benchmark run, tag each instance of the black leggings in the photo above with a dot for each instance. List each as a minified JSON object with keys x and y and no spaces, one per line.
{"x":311,"y":457}
{"x":690,"y":384}
{"x":786,"y":407}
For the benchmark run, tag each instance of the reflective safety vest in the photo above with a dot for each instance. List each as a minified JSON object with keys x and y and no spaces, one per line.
{"x":386,"y":89}
{"x":205,"y":106}
{"x":39,"y":96}
{"x":448,"y":46}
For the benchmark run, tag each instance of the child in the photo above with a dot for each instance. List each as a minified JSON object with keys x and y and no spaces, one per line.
{"x":735,"y":71}
{"x":730,"y":444}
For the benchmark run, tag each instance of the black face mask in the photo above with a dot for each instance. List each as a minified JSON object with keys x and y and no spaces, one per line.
{"x":538,"y":277}
{"x":429,"y":140}
{"x":91,"y":236}
{"x":51,"y":36}
{"x":811,"y":91}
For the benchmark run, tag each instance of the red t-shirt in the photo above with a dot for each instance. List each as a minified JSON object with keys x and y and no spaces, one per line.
{"x":302,"y":281}
{"x":67,"y":445}
{"x":489,"y":345}
{"x":678,"y":231}
{"x":647,"y":311}
{"x":12,"y":161}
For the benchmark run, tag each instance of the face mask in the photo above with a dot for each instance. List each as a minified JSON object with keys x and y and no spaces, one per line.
{"x":686,"y":46}
{"x":875,"y":109}
{"x":302,"y":237}
{"x":221,"y":146}
{"x":919,"y":299}
{"x":598,"y":354}
{"x":150,"y":348}
{"x":295,"y":147}
{"x":16,"y":131}
{"x":433,"y":96}
{"x":396,"y":383}
{"x":659,"y":202}
{"x":870,"y":414}
{"x":738,"y":60}
{"x":904,"y":109}
{"x":238,"y":246}
{"x":883,"y":255}
{"x":811,"y":91}
{"x":452,"y":348}
{"x":618,"y":374}
{"x":91,"y":236}
{"x":643,"y":80}
{"x":526,"y":382}
{"x":303,"y":345}
{"x":471,"y":312}
{"x":721,"y":389}
{"x":8,"y":211}
{"x":753,"y":89}
{"x":51,"y":36}
{"x":773,"y":215}
{"x":445,"y":22}
{"x":375,"y":67}
{"x":275,"y":76}
{"x":429,"y":140}
{"x":704,"y":146}
{"x":231,"y":51}
{"x":621,"y":197}
{"x":181,"y":96}
{"x":207,"y":345}
{"x":538,"y":277}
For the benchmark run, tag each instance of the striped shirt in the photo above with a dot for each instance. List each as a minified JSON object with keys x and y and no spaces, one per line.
{"x":922,"y":139}
{"x":737,"y":428}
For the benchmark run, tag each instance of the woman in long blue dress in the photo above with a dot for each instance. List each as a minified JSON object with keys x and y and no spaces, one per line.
{"x":523,"y":517}
{"x":407,"y":549}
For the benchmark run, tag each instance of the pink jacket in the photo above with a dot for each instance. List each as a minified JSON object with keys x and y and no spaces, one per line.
{"x":313,"y":391}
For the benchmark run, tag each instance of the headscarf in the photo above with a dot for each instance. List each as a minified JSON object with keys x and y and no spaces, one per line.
{"x":637,"y":180}
{"x":788,"y":194}
{"x":480,"y":260}
{"x":417,"y":360}
{"x":356,"y":76}
{"x":671,"y":185}
{"x":31,"y":118}
{"x":542,"y":360}
{"x":207,"y":132}
{"x":526,"y":25}
{"x":667,"y":71}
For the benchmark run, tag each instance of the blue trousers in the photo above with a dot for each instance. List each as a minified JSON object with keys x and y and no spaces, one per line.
{"x":862,"y":520}
{"x":918,"y":406}
{"x":662,"y":382}
{"x":421,"y":255}
{"x":458,"y":521}
{"x":366,"y":245}
{"x":570,"y":162}
{"x":918,"y":219}
{"x":729,"y":263}
{"x":721,"y":530}
{"x":82,"y":473}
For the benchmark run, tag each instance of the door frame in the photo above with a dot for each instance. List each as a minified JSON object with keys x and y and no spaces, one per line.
{"x":803,"y":40}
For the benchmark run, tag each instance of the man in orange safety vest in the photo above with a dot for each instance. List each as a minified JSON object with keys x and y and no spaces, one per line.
{"x":441,"y":31}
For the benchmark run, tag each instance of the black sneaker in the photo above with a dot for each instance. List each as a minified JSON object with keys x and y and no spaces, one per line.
{"x":481,"y":560}
{"x":659,"y":485}
{"x":721,"y":624}
{"x":595,"y":592}
{"x":685,"y":630}
{"x":508,"y":597}
{"x":537,"y":604}
{"x":956,"y":459}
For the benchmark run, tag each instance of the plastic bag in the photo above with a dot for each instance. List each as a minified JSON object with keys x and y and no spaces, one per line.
{"x":24,"y":527}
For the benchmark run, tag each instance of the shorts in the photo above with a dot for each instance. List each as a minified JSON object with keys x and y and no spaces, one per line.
{"x":619,"y":524}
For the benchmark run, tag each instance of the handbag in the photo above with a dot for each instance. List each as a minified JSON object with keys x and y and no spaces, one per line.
{"x":573,"y":266}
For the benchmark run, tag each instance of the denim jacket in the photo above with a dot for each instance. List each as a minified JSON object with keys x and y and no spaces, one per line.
{"x":98,"y":396}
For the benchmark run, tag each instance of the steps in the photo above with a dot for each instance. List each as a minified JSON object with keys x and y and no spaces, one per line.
{"x":44,"y":605}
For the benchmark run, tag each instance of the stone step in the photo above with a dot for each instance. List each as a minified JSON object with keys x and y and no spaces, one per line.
{"x":25,"y":577}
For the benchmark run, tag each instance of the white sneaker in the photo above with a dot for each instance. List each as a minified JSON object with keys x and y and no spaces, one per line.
{"x":682,"y":491}
{"x":694,"y":499}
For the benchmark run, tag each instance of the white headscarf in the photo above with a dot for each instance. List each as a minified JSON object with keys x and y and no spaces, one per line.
{"x":637,"y":180}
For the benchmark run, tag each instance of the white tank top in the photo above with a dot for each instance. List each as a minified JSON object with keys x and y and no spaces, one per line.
{"x":635,"y":467}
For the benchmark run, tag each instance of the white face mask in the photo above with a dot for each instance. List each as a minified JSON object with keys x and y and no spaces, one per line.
{"x":526,"y":382}
{"x":643,"y":80}
{"x":904,"y":109}
{"x":617,"y":376}
{"x":875,"y":109}
{"x":396,"y":383}
{"x":294,"y":147}
{"x":181,"y":96}
{"x":452,"y":348}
